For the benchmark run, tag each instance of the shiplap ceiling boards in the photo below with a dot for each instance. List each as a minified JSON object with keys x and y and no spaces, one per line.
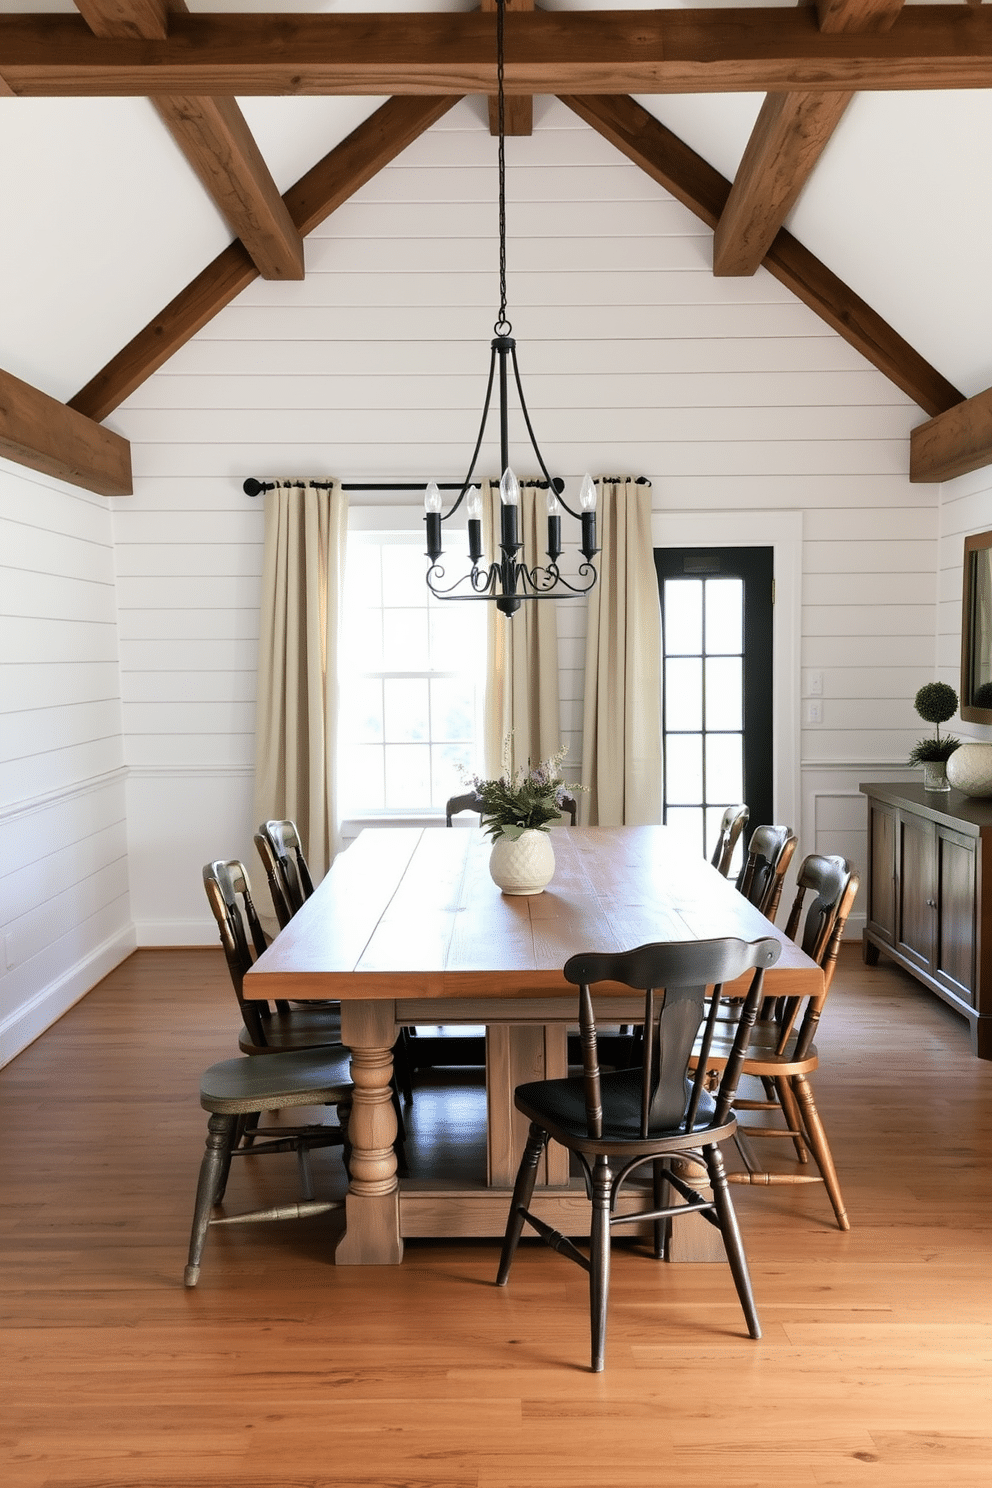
{"x":809,"y":60}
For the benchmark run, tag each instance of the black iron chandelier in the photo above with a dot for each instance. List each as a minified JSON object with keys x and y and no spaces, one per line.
{"x":507,"y":580}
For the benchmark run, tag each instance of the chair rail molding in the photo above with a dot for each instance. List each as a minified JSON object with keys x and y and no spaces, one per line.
{"x":13,"y":810}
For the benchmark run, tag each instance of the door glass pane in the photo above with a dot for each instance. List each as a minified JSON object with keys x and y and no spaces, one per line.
{"x":683,"y":617}
{"x":724,"y":768}
{"x":684,"y":768}
{"x":684,"y":693}
{"x":724,"y":615}
{"x":724,"y":692}
{"x":688,"y":827}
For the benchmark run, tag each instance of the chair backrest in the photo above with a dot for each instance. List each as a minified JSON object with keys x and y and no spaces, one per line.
{"x":281,"y":852}
{"x":473,"y":802}
{"x":732,"y":824}
{"x":769,"y":853}
{"x":675,"y":978}
{"x":834,"y":885}
{"x":229,"y":896}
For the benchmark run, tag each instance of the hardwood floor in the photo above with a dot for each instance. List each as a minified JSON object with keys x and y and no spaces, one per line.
{"x":281,"y":1371}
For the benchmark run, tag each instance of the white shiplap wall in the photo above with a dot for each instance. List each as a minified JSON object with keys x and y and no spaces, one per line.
{"x":65,"y":918}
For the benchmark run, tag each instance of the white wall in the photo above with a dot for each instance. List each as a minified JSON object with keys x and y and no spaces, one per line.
{"x":64,"y":913}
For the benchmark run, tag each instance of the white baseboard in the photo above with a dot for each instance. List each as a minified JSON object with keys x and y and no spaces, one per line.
{"x":177,"y":932}
{"x":31,"y":1019}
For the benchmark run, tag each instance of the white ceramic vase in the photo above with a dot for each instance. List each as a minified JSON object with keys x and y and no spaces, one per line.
{"x":524,"y":864}
{"x":969,"y":769}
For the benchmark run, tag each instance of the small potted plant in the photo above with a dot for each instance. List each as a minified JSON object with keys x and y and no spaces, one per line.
{"x":519,"y":808}
{"x":935,"y":702}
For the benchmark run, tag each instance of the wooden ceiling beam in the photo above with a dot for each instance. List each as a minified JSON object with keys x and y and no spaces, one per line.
{"x":662,"y":51}
{"x":701,"y":188}
{"x":314,"y":197}
{"x":787,"y":140}
{"x":953,"y":443}
{"x":518,"y":109}
{"x":216,"y":141}
{"x":43,"y":434}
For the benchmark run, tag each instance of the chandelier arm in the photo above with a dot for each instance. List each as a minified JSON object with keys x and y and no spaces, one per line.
{"x":555,"y":482}
{"x":478,"y":443}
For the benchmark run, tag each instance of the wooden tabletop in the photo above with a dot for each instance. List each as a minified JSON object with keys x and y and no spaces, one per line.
{"x":408,"y":912}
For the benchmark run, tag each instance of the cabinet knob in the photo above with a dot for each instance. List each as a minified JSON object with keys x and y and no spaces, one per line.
{"x":932,"y":903}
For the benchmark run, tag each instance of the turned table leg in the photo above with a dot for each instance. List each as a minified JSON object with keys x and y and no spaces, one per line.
{"x":372,"y":1228}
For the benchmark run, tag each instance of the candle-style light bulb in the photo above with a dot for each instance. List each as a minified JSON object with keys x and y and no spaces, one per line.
{"x":587,"y":493}
{"x":554,"y":505}
{"x":509,"y":488}
{"x":432,"y":516}
{"x":509,"y":495}
{"x":473,"y":506}
{"x":554,"y":525}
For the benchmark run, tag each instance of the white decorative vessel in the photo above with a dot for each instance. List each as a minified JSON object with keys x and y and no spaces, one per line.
{"x":935,"y":775}
{"x":969,"y":769}
{"x":524,"y":864}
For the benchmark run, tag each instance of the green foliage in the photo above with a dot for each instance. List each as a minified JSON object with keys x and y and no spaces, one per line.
{"x":936,"y":702}
{"x":982,"y":696}
{"x":925,"y":750}
{"x":524,"y":799}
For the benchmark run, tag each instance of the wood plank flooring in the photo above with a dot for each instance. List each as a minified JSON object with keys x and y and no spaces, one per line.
{"x":281,"y":1371}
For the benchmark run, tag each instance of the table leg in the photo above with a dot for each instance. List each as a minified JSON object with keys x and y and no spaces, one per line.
{"x":372,"y":1228}
{"x":515,"y":1054}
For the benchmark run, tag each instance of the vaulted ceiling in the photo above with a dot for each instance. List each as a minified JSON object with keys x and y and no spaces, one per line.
{"x":841,"y":145}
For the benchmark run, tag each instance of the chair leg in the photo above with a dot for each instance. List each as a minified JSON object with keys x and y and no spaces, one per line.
{"x":820,"y":1147}
{"x":213,"y":1168}
{"x":599,"y":1259}
{"x":732,"y":1237}
{"x":523,"y":1190}
{"x":661,"y":1198}
{"x":790,"y":1110}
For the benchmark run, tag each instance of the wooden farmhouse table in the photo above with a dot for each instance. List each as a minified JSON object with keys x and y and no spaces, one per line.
{"x":408,"y":927}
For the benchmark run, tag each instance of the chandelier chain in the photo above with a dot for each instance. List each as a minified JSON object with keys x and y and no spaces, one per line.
{"x":502,"y":326}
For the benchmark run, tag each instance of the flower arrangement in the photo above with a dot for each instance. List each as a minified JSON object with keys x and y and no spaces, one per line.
{"x":935,"y":702}
{"x":527,"y":799}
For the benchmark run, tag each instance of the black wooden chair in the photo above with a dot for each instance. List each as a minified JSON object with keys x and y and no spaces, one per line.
{"x":616,"y":1122}
{"x":732,"y":824}
{"x":769,"y":854}
{"x":236,"y":1092}
{"x":281,"y":852}
{"x":781,"y":1051}
{"x":471,"y":801}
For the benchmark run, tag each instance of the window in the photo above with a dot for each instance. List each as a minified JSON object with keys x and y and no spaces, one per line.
{"x":412,"y":678}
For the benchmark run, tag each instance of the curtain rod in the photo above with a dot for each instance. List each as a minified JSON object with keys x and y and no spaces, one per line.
{"x":253,"y":487}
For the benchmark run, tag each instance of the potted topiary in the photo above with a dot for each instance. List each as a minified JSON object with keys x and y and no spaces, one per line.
{"x":935,"y":702}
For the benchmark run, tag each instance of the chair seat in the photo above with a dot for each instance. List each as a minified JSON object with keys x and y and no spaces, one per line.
{"x":302,"y":1078}
{"x":559,"y":1107}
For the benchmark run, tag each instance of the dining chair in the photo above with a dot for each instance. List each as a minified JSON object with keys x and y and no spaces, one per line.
{"x":279,"y":847}
{"x":769,"y":854}
{"x":236,"y":1092}
{"x":615,"y":1122}
{"x":472,"y":801}
{"x":781,"y":1052}
{"x":732,"y":824}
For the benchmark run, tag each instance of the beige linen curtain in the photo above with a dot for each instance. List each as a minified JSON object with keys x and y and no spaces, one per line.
{"x":621,"y":727}
{"x":296,"y":710}
{"x":522,"y":650}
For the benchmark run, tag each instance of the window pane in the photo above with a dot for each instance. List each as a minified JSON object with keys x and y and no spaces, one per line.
{"x":724,"y":615}
{"x":362,"y":777}
{"x":408,"y":775}
{"x":452,"y":710}
{"x":447,"y":763}
{"x":684,"y":768}
{"x":688,"y":827}
{"x":405,"y":709}
{"x":362,"y":581}
{"x":403,"y":575}
{"x":457,"y":637}
{"x":361,"y":641}
{"x":683,"y":617}
{"x":724,"y":768}
{"x":684,"y":693}
{"x":361,"y":713}
{"x":724,"y":692}
{"x":404,"y":640}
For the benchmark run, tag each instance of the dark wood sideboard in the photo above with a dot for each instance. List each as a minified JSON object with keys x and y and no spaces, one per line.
{"x":930,"y":895}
